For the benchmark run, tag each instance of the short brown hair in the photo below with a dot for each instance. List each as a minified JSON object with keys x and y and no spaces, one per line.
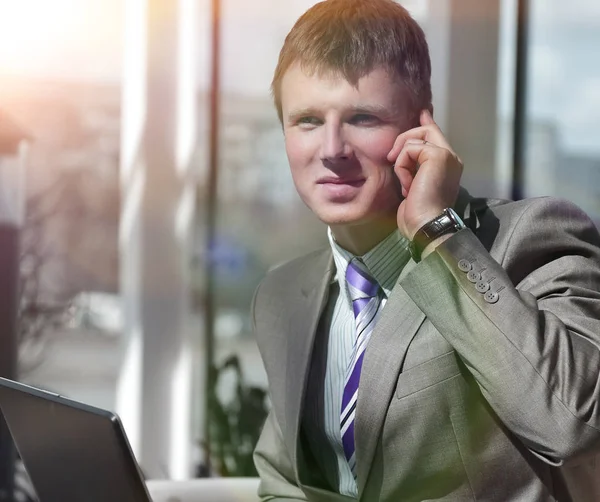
{"x":352,"y":38}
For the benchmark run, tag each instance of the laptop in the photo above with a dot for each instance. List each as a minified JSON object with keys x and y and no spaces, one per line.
{"x":72,"y":452}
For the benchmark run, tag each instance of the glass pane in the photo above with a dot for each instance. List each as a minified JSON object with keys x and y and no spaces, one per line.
{"x":563,"y":153}
{"x":60,"y":64}
{"x":60,"y":72}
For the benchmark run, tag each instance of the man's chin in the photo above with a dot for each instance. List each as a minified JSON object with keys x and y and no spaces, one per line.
{"x":355,"y":213}
{"x":337,"y":219}
{"x":351,"y":220}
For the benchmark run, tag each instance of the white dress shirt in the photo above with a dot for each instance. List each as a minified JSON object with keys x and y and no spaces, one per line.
{"x":333,"y":348}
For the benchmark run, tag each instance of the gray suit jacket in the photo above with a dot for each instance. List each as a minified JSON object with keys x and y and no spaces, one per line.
{"x":466,"y":393}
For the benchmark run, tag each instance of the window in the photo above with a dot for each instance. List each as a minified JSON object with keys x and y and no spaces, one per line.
{"x":563,"y":103}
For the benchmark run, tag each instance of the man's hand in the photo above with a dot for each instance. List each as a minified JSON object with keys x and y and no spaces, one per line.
{"x":429,"y":172}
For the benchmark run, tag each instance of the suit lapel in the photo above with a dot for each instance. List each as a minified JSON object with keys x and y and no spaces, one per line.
{"x":384,"y":357}
{"x":308,"y":303}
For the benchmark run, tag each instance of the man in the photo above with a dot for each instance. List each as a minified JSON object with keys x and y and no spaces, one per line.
{"x":443,"y":347}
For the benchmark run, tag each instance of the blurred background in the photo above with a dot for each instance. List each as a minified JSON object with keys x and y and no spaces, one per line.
{"x":145,"y":191}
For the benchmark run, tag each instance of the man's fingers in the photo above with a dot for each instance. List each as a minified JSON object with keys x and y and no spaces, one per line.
{"x":405,"y":177}
{"x":417,"y":155}
{"x":406,"y":164}
{"x":419,"y":151}
{"x":409,"y":156}
{"x":433,"y":133}
{"x":426,"y":118}
{"x":428,"y":131}
{"x":417,"y":134}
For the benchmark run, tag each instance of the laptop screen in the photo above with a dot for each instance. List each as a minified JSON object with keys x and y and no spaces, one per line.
{"x":71,"y":451}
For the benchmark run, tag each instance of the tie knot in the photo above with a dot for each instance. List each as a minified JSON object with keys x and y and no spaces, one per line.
{"x":361,"y":284}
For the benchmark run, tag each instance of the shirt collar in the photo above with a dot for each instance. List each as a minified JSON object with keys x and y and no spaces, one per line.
{"x":385,"y":261}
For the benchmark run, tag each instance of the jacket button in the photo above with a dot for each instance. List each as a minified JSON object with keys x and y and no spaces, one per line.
{"x":491,"y":297}
{"x":464,"y":266}
{"x":474,"y":276}
{"x":482,"y":287}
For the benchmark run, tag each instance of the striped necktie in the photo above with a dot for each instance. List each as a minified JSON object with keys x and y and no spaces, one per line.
{"x":366,"y":301}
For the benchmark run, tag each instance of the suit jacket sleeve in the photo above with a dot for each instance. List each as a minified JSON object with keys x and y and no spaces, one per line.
{"x":533,"y":343}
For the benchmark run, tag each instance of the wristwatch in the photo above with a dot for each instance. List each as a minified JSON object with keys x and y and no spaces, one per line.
{"x":445,"y":223}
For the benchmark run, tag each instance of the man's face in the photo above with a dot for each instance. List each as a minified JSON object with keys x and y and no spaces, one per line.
{"x":337,"y":138}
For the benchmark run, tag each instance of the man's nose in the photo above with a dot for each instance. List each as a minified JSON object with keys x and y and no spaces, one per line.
{"x":334,"y":145}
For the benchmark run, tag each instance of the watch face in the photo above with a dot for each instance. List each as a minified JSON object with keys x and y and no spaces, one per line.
{"x":455,"y":218}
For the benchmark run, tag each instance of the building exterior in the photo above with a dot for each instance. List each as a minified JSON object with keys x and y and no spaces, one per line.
{"x":13,"y":158}
{"x":14,"y":143}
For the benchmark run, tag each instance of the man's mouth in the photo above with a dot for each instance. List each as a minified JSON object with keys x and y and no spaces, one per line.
{"x":334,"y":180}
{"x":340,"y":190}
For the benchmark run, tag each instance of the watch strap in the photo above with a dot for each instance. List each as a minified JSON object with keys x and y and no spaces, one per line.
{"x":447,"y":222}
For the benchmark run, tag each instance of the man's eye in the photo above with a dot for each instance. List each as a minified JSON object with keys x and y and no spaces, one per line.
{"x":363,"y":118}
{"x":313,"y":121}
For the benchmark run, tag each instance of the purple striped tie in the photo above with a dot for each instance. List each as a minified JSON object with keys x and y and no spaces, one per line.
{"x":364,"y":292}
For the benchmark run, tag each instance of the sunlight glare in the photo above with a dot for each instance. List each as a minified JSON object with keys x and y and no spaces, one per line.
{"x":35,"y":33}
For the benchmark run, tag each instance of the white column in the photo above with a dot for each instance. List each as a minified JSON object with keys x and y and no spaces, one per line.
{"x":464,"y":39}
{"x":158,"y":199}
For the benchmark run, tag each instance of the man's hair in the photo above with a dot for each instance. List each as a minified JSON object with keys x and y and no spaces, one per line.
{"x":351,"y":38}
